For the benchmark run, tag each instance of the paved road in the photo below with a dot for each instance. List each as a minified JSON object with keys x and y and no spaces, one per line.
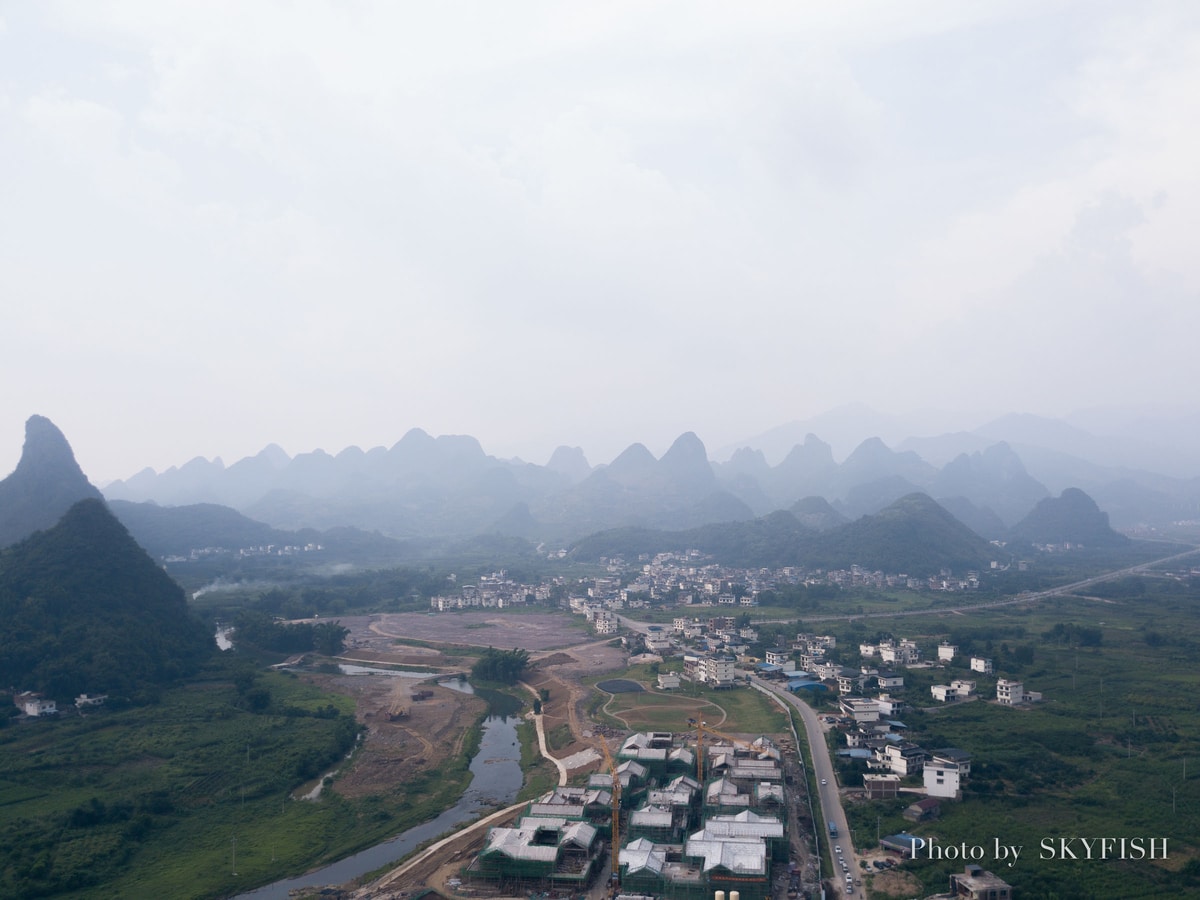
{"x":827,"y":787}
{"x":1026,"y":597}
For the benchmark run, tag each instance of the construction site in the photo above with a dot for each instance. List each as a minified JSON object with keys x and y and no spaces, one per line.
{"x":671,"y":814}
{"x":668,"y":815}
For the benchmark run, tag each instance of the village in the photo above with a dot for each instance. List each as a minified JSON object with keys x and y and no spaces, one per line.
{"x":684,"y":579}
{"x":738,"y":821}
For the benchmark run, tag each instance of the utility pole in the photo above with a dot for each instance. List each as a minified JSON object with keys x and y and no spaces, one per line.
{"x":234,"y":867}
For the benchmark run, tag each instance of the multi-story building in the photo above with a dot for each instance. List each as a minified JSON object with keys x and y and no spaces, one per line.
{"x":861,"y":709}
{"x":903,"y":759}
{"x":718,"y":671}
{"x":904,"y":653}
{"x":981,"y":665}
{"x":942,"y":778}
{"x":1010,"y":692}
{"x":881,"y":787}
{"x":976,"y":884}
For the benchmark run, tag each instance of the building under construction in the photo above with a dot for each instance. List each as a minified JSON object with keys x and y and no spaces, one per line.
{"x":680,"y":837}
{"x":555,"y":852}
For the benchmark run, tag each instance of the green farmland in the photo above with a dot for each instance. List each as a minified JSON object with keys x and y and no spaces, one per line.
{"x":1113,"y":749}
{"x":147,"y":802}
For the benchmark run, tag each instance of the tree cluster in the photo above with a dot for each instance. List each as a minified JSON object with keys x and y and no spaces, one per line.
{"x":1071,"y":633}
{"x":504,"y":666}
{"x":83,"y":608}
{"x":260,"y":630}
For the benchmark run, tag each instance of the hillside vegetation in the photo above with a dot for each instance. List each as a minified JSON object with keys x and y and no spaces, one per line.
{"x":84,"y":609}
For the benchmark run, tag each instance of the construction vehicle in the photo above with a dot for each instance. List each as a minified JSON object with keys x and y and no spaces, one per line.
{"x":397,"y":709}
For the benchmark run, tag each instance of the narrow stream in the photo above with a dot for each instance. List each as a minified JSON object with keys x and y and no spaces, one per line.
{"x":496,"y":771}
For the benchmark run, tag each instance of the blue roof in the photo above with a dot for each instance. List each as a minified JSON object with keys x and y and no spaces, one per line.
{"x":856,"y":753}
{"x":903,"y":839}
{"x":811,"y":685}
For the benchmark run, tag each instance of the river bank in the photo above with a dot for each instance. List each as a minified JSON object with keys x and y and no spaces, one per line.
{"x":496,"y":779}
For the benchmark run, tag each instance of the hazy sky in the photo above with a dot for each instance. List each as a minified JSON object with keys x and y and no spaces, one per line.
{"x":322,"y":224}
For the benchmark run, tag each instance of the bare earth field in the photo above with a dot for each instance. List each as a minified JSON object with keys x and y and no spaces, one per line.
{"x":483,"y":628}
{"x":398,"y":747}
{"x":393,"y":751}
{"x":430,"y":730}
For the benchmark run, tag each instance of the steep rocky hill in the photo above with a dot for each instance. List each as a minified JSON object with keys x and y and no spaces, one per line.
{"x":45,"y":484}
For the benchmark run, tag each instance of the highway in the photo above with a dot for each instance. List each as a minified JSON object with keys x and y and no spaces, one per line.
{"x":1026,"y":597}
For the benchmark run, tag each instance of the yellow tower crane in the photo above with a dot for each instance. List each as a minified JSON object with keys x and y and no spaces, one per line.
{"x":616,"y":813}
{"x":702,"y":729}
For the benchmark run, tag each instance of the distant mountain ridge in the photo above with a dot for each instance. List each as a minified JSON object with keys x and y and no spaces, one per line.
{"x":178,"y":530}
{"x":876,"y":509}
{"x":449,"y":487}
{"x":913,"y":535}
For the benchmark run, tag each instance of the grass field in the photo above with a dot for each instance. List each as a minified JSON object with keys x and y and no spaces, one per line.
{"x":147,"y":802}
{"x":740,"y":710}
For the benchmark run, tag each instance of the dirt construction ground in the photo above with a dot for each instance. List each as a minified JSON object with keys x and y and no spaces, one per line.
{"x":406,"y":736}
{"x":530,"y":631}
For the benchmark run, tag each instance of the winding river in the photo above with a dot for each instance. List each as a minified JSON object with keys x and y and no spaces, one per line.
{"x":496,"y":779}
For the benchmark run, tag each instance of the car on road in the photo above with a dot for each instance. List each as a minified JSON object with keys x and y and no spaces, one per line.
{"x":837,"y":849}
{"x":824,"y":782}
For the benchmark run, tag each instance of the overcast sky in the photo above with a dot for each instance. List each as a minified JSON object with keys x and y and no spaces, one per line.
{"x":322,"y":224}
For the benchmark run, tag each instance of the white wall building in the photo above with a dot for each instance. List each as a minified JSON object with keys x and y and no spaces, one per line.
{"x":941,"y":779}
{"x":1010,"y":692}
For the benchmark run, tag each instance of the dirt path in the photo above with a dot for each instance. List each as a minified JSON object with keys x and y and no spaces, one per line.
{"x":616,"y":714}
{"x":557,"y":671}
{"x":541,"y":733}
